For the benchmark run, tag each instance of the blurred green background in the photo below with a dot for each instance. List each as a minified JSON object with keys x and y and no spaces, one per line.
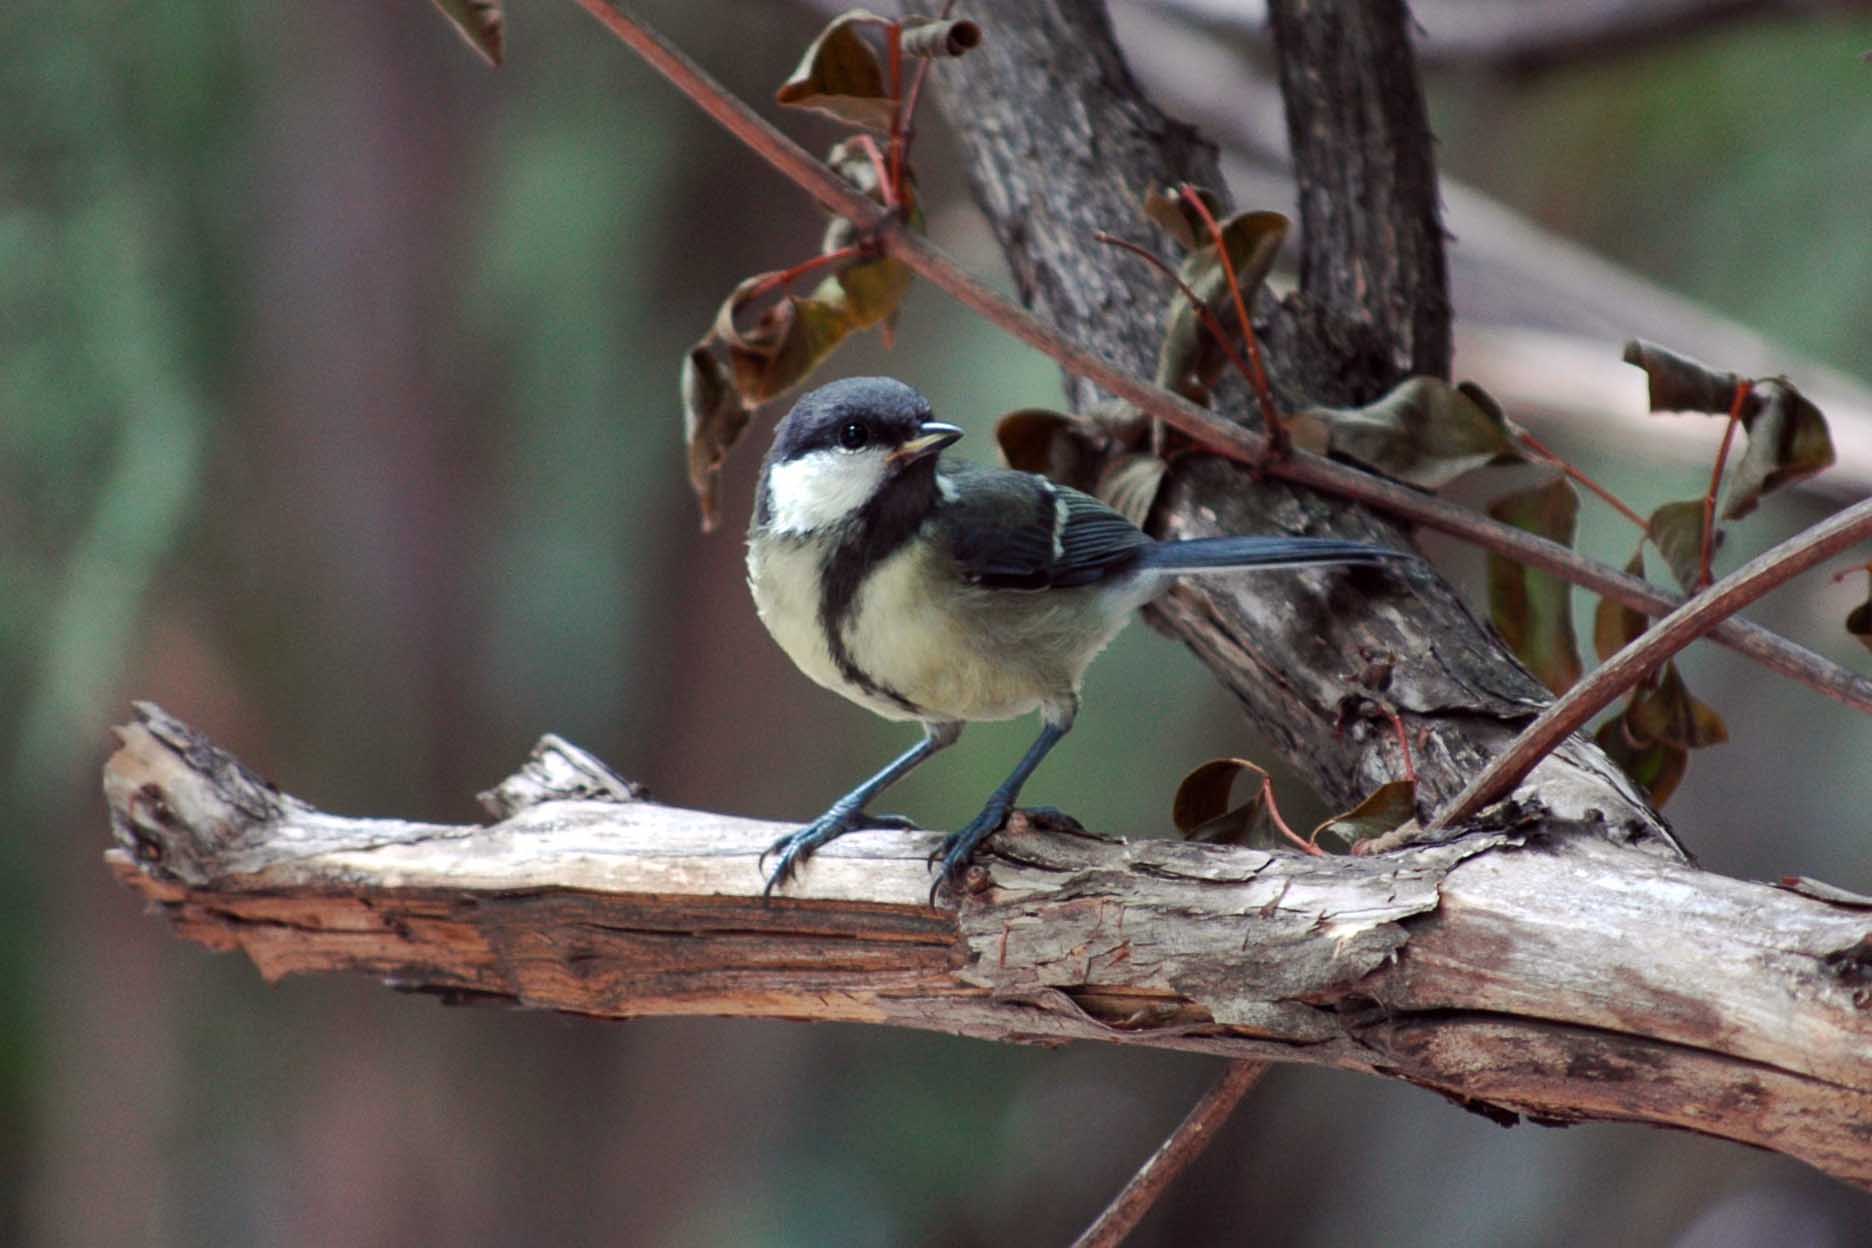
{"x":337,"y":415}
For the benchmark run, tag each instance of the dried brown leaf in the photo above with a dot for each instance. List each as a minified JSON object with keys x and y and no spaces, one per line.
{"x":841,"y":76}
{"x":1531,"y":609}
{"x":1679,"y":383}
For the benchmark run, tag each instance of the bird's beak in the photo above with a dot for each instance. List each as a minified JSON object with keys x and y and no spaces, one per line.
{"x":931,"y":437}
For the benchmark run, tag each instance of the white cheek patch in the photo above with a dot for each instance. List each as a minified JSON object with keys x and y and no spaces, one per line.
{"x":820,"y":490}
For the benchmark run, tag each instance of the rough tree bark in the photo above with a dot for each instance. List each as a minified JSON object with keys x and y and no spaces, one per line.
{"x":1565,"y":981}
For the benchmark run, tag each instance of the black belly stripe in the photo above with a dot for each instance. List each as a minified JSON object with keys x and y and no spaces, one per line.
{"x":878,"y":531}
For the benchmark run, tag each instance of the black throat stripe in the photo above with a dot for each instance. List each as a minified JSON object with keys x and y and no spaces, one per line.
{"x":878,"y":531}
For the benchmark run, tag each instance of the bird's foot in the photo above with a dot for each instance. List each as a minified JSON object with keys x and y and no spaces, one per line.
{"x":795,"y":847}
{"x":959,"y":846}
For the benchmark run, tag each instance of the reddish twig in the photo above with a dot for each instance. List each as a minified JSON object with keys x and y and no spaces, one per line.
{"x":1694,"y":618}
{"x":1228,"y":438}
{"x":1606,"y":496}
{"x":1280,"y":824}
{"x":893,"y":48}
{"x":1264,"y":395}
{"x":786,"y":277}
{"x":1209,"y":320}
{"x":1706,"y":548}
{"x":1173,"y":1156}
{"x":1403,"y":737}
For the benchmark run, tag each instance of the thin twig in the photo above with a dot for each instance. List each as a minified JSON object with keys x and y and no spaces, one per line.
{"x":1604,"y":495}
{"x":1207,"y":427}
{"x":1173,"y":1156}
{"x":1209,"y":320}
{"x":806,"y":267}
{"x":1706,"y":541}
{"x":1264,"y":395}
{"x":1694,"y":618}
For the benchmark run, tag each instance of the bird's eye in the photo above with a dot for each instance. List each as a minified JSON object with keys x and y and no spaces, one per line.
{"x":854,"y":436}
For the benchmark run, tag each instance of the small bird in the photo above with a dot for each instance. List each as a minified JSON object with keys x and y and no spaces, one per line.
{"x":947,"y":593}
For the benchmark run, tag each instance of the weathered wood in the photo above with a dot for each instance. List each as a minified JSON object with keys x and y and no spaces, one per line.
{"x":1518,"y":970}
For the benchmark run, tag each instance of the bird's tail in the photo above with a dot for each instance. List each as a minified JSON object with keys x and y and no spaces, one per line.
{"x":1216,"y":554}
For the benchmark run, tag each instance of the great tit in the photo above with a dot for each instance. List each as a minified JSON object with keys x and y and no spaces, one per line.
{"x":945,"y":592}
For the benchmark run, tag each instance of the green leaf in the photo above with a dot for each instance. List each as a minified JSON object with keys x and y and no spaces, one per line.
{"x":1664,"y":710}
{"x":481,"y":24}
{"x":1533,"y":610}
{"x":713,"y":421}
{"x":1388,"y":807}
{"x":1656,"y":767}
{"x":869,"y":291}
{"x":840,"y":75}
{"x":1615,"y":625}
{"x":936,"y":37}
{"x":1190,"y":359}
{"x":1130,"y":484}
{"x":1201,"y":809}
{"x":1425,"y":432}
{"x":1787,"y":441}
{"x":1676,"y":529}
{"x":1679,"y":383}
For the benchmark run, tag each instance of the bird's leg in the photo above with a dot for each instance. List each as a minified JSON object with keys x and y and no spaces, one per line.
{"x":959,"y":845}
{"x":848,"y":813}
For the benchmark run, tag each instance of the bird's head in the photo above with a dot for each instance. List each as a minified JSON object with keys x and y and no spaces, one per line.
{"x":843,"y":446}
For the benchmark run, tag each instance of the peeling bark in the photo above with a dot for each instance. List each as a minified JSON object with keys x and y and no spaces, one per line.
{"x":1523,"y":969}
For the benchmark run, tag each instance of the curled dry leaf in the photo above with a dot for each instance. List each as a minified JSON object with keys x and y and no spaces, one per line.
{"x":1057,"y":446}
{"x":938,"y":37}
{"x":1676,"y":529}
{"x":1386,"y":809}
{"x":713,"y":421}
{"x":789,"y":339}
{"x":481,"y":24}
{"x":1202,"y":810}
{"x":1616,"y":625}
{"x":1679,"y":383}
{"x":1788,"y":440}
{"x":1424,"y":432}
{"x":1190,"y":359}
{"x":840,"y":75}
{"x":1531,"y":609}
{"x":1656,"y":767}
{"x":1178,"y":219}
{"x":1859,"y":623}
{"x":1665,"y":710}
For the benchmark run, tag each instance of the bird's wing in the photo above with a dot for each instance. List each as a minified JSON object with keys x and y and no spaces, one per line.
{"x":1016,"y":530}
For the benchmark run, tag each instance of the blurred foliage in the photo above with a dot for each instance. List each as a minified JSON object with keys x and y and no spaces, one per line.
{"x":337,"y":411}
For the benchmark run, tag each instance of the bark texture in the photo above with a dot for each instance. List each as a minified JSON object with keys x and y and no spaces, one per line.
{"x":1061,"y":143}
{"x":1521,"y":970}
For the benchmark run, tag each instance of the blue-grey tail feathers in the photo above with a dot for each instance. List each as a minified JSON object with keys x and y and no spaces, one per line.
{"x":1215,"y":554}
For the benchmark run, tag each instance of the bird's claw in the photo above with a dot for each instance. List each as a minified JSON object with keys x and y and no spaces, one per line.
{"x":797,"y":846}
{"x":959,"y":846}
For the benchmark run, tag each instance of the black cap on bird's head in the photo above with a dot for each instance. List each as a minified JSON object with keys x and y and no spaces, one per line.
{"x":857,"y":413}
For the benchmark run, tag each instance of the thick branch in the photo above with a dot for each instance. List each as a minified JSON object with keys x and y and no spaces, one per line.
{"x":1515,"y":972}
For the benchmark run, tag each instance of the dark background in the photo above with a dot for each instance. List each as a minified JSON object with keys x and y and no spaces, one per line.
{"x":337,"y":414}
